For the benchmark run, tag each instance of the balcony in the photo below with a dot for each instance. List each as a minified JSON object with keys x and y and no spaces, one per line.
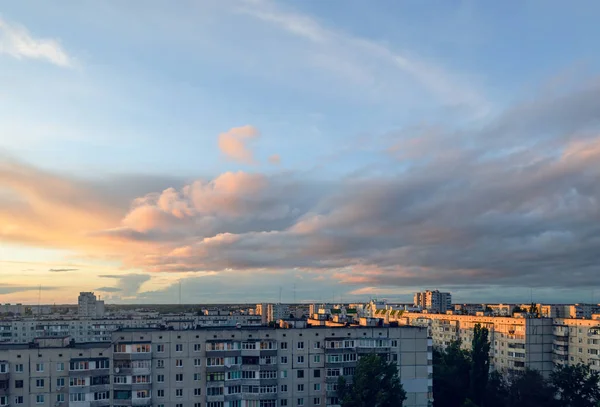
{"x":141,"y":401}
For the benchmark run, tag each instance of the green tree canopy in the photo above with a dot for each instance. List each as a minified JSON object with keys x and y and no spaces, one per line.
{"x":576,"y":386}
{"x":451,"y":375}
{"x":480,"y":363}
{"x":375,"y":384}
{"x":529,"y":388}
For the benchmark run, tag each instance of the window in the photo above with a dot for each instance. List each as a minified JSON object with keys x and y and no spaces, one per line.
{"x":178,"y":362}
{"x":60,"y":366}
{"x":197,"y":347}
{"x":179,"y":405}
{"x":300,"y":374}
{"x":160,"y":378}
{"x":39,"y":383}
{"x":317,"y":358}
{"x":284,"y":388}
{"x":160,"y":348}
{"x":39,"y":367}
{"x":394,"y":343}
{"x":60,"y":382}
{"x":300,"y":402}
{"x":3,"y":400}
{"x":300,"y":387}
{"x":333,"y":372}
{"x":39,"y":399}
{"x":317,"y":345}
{"x":215,"y":404}
{"x":77,"y":381}
{"x":101,"y":395}
{"x":179,"y":377}
{"x":317,"y":387}
{"x":77,"y":397}
{"x":19,"y":368}
{"x":284,"y":360}
{"x":300,"y":346}
{"x":120,"y":379}
{"x":19,"y":400}
{"x":18,"y":384}
{"x":141,"y":348}
{"x":197,"y":362}
{"x":160,"y":363}
{"x":283,"y":345}
{"x":200,"y":404}
{"x":196,"y":377}
{"x":197,"y":392}
{"x":60,"y":398}
{"x":283,"y":402}
{"x":317,"y":373}
{"x":214,"y":391}
{"x":317,"y":401}
{"x":79,"y":366}
{"x":179,"y":347}
{"x":178,"y":392}
{"x":300,"y":359}
{"x":283,"y":374}
{"x":160,"y":393}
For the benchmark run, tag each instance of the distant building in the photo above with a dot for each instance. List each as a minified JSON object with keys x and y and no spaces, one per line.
{"x":435,"y":301}
{"x":89,"y":306}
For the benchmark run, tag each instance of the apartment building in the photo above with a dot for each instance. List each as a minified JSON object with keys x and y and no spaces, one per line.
{"x":515,"y":343}
{"x":25,"y":330}
{"x":207,"y":367}
{"x":577,"y":341}
{"x":54,"y":372}
{"x":89,"y":306}
{"x":434,"y":301}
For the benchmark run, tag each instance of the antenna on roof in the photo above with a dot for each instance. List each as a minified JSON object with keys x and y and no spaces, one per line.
{"x":280,"y":294}
{"x":180,"y":292}
{"x":40,"y":300}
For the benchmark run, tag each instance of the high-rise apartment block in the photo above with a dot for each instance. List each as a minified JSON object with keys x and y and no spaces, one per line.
{"x":208,"y":367}
{"x":434,"y":301}
{"x":89,"y":306}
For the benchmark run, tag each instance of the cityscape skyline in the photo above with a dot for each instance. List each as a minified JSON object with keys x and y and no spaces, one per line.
{"x":150,"y":156}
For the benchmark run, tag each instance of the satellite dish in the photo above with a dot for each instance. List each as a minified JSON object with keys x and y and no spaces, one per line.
{"x":117,"y":370}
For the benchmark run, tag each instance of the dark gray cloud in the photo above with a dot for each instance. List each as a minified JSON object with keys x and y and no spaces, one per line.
{"x":127,"y":284}
{"x":61,"y":270}
{"x":109,"y":289}
{"x":516,"y":202}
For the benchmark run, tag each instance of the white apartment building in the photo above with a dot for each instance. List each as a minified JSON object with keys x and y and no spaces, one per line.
{"x":434,"y":301}
{"x":515,"y":343}
{"x":89,"y":306}
{"x":247,"y":367}
{"x":577,"y":341}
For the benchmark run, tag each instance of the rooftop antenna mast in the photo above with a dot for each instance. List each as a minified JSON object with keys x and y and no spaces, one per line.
{"x":294,"y":293}
{"x":280,"y":294}
{"x":40,"y":300}
{"x":179,"y":292}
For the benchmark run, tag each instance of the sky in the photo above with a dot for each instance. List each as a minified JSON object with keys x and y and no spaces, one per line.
{"x":253,"y":150}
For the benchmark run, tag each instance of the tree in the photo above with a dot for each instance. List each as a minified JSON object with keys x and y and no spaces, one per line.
{"x":529,"y":388}
{"x":533,"y":309}
{"x":496,"y":394}
{"x":480,"y":363}
{"x":468,"y":403}
{"x":576,"y":386}
{"x":375,"y":384}
{"x":451,"y":375}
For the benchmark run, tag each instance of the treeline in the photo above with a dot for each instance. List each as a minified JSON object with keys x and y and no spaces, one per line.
{"x":461,"y":378}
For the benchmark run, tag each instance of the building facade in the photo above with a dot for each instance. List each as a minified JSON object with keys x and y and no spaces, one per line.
{"x":434,"y":301}
{"x":89,"y":306}
{"x":247,"y":367}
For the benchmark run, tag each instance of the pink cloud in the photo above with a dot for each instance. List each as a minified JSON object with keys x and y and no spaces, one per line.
{"x":234,"y":144}
{"x":275,"y":159}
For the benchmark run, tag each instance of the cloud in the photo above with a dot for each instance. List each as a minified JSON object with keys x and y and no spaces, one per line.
{"x":366,"y":62}
{"x":12,"y":289}
{"x":61,"y":270}
{"x":275,"y":159}
{"x":109,"y":289}
{"x":128,"y":284}
{"x":511,"y":202}
{"x":16,"y":41}
{"x":234,"y":144}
